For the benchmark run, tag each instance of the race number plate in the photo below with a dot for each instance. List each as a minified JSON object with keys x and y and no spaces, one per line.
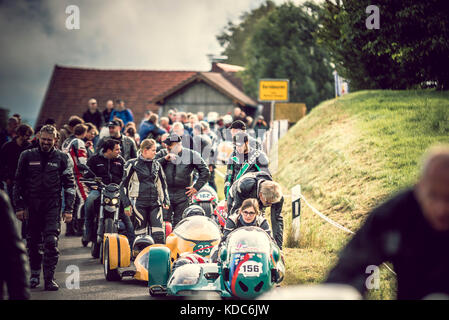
{"x":203,"y":248}
{"x":251,"y":269}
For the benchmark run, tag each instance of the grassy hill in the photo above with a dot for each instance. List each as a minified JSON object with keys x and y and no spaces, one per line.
{"x":349,"y":154}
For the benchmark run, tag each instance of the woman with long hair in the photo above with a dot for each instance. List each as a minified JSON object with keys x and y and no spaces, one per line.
{"x":144,"y":192}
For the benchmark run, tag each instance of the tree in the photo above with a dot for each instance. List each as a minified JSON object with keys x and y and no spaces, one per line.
{"x":234,"y":36}
{"x":283,"y":46}
{"x":409,"y":49}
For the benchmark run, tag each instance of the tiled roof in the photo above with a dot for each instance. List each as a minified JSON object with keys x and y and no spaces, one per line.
{"x":70,"y":88}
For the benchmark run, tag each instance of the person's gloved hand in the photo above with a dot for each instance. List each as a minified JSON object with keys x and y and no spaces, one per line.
{"x":128,"y":210}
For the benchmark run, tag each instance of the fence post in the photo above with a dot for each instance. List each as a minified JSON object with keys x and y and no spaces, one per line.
{"x":296,"y":211}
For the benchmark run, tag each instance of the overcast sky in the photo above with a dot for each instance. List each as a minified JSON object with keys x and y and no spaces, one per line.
{"x":134,"y":34}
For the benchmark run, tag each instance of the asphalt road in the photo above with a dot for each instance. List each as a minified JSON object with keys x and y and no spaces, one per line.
{"x":92,"y":284}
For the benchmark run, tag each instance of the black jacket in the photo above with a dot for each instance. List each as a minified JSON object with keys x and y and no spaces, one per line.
{"x":109,"y":170}
{"x":9,"y":157}
{"x":203,"y":145}
{"x":95,"y":118}
{"x":145,"y":181}
{"x":14,"y":269}
{"x":127,"y":146}
{"x":257,"y":159}
{"x":397,"y":231}
{"x":179,"y":172}
{"x":44,"y":175}
{"x":247,"y":187}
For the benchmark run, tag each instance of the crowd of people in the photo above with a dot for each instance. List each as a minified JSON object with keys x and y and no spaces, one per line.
{"x":159,"y":164}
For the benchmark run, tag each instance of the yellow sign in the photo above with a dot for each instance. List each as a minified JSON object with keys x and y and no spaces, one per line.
{"x":291,"y":111}
{"x":273,"y":90}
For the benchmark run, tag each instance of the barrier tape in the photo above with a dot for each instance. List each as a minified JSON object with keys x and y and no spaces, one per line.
{"x":335,"y":224}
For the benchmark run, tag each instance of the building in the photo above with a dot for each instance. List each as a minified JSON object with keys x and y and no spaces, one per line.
{"x":70,"y":88}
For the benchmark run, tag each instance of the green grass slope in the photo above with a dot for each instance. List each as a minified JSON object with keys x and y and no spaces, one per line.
{"x":349,"y":154}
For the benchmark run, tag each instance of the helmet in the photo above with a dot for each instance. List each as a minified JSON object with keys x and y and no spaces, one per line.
{"x":179,"y":262}
{"x":194,"y":257}
{"x":140,"y":243}
{"x":168,"y":228}
{"x":193,"y":210}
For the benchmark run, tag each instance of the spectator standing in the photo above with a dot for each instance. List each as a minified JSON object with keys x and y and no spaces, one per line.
{"x":92,"y":114}
{"x":107,"y":112}
{"x":67,"y":130}
{"x":9,"y":155}
{"x":127,"y":145}
{"x":10,"y":132}
{"x":122,"y":112}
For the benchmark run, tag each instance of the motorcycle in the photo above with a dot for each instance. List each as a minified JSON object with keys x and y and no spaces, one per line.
{"x":207,"y":199}
{"x":107,"y":219}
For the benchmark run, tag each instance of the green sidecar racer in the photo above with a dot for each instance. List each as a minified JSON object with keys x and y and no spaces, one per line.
{"x":249,"y":264}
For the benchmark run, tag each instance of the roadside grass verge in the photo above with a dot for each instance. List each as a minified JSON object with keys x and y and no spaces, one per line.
{"x":350,"y":154}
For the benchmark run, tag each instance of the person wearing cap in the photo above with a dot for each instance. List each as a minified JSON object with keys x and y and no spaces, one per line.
{"x":224,"y":132}
{"x":239,"y":126}
{"x":178,"y":164}
{"x":260,"y":127}
{"x":410,"y":230}
{"x":186,"y":138}
{"x":243,"y":159}
{"x":127,"y":145}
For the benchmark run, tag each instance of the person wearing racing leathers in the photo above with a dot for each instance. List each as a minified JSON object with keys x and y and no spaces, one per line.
{"x":41,"y":174}
{"x":178,"y":164}
{"x":144,"y":192}
{"x":243,"y":159}
{"x":261,"y":186}
{"x":76,"y":148}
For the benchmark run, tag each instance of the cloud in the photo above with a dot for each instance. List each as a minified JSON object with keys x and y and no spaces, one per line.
{"x":137,"y":34}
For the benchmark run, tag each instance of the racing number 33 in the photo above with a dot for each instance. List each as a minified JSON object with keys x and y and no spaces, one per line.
{"x":203,"y":248}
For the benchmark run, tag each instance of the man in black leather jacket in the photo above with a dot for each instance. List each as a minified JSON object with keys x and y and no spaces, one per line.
{"x":41,"y":174}
{"x":14,"y":269}
{"x":108,"y":165}
{"x":178,"y":164}
{"x":259,"y":185}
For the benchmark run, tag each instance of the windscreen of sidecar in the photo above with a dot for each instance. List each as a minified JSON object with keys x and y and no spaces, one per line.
{"x":188,"y":274}
{"x":192,"y":227}
{"x":249,"y":239}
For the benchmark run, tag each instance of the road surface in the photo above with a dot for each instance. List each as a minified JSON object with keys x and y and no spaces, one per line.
{"x":92,"y":284}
